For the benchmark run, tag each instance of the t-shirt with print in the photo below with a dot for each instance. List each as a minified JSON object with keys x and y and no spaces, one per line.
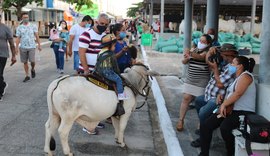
{"x":91,"y":41}
{"x":76,"y":30}
{"x":5,"y":35}
{"x":27,"y":35}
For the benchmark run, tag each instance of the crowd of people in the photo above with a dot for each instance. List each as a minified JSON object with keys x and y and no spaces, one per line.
{"x":221,"y":85}
{"x":83,"y":41}
{"x":217,"y":78}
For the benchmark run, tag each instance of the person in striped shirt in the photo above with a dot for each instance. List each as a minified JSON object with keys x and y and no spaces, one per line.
{"x":89,"y":42}
{"x":198,"y":76}
{"x":89,"y":47}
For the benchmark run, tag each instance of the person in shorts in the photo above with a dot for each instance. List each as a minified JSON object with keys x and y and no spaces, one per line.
{"x":27,"y":36}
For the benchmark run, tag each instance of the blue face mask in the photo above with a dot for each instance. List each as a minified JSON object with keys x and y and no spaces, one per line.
{"x":87,"y":25}
{"x":232,"y":69}
{"x":223,"y":63}
{"x":122,"y":35}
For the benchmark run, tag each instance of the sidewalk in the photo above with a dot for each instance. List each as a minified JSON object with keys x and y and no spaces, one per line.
{"x":170,"y":67}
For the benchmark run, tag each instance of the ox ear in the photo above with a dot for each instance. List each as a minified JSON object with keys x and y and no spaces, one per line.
{"x":152,"y":73}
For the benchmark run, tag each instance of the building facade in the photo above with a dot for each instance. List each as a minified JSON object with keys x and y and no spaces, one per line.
{"x":39,"y":15}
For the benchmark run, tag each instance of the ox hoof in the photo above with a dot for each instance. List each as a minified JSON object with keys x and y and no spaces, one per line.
{"x":123,"y":147}
{"x":48,"y":154}
{"x":116,"y":141}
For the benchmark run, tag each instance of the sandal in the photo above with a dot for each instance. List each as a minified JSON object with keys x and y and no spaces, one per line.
{"x":180,"y":125}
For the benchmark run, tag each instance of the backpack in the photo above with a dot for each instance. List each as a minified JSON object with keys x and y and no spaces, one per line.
{"x":256,"y":129}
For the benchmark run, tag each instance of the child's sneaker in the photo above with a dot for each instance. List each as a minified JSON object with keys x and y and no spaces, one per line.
{"x":122,"y":96}
{"x":62,"y":50}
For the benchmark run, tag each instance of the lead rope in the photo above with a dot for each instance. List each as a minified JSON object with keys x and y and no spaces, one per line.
{"x":145,"y":99}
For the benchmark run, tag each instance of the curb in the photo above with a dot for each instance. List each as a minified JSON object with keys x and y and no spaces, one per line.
{"x":171,"y":140}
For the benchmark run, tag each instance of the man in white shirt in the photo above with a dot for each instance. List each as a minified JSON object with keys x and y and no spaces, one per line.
{"x":74,"y":34}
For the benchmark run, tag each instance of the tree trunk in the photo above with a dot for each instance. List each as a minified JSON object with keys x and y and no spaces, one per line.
{"x":18,"y":13}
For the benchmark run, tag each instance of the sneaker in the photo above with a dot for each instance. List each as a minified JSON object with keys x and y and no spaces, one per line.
{"x":4,"y":89}
{"x":27,"y":78}
{"x":196,"y":143}
{"x":122,"y":96}
{"x":62,"y":50}
{"x":61,"y":71}
{"x":100,"y":126}
{"x":90,"y":133}
{"x":33,"y":73}
{"x":1,"y":98}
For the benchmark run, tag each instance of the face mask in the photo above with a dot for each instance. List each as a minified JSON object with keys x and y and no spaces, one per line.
{"x":223,"y":63}
{"x":232,"y":69}
{"x":87,"y":25}
{"x":26,"y":20}
{"x":122,"y":35}
{"x":60,"y":28}
{"x":201,"y":46}
{"x":212,"y":36}
{"x":63,"y":26}
{"x":101,"y":28}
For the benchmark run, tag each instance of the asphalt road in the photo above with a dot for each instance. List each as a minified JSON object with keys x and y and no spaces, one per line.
{"x":23,"y":113}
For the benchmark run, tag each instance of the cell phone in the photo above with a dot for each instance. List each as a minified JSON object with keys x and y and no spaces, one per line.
{"x":216,"y":110}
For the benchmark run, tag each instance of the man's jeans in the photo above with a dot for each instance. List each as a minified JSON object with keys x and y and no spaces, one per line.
{"x":76,"y":59}
{"x":204,"y":109}
{"x":3,"y":61}
{"x":111,"y":75}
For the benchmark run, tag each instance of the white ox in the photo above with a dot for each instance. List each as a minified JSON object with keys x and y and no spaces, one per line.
{"x":182,"y":27}
{"x":74,"y":99}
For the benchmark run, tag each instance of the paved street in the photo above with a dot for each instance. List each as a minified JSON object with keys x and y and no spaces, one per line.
{"x":23,"y":113}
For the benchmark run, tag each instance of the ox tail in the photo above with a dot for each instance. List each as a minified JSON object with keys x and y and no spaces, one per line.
{"x":52,"y":124}
{"x":52,"y":144}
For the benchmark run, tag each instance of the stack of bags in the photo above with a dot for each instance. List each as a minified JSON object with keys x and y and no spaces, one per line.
{"x":256,"y":45}
{"x":172,"y":45}
{"x":246,"y":44}
{"x":226,"y":38}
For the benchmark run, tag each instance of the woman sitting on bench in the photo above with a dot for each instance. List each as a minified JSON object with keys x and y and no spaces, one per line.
{"x":239,"y":100}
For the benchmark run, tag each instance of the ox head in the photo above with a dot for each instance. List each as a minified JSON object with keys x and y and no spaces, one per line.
{"x":138,"y":75}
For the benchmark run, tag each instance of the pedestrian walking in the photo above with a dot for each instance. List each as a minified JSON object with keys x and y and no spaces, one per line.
{"x":74,"y":34}
{"x":5,"y":36}
{"x":60,"y":53}
{"x":27,"y":36}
